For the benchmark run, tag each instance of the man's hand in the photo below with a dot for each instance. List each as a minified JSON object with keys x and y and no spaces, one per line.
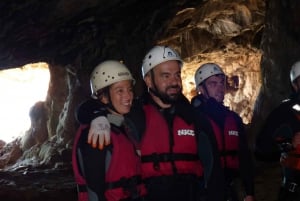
{"x":99,"y":132}
{"x":249,"y":198}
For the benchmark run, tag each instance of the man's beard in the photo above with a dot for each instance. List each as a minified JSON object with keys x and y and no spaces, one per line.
{"x":166,"y":98}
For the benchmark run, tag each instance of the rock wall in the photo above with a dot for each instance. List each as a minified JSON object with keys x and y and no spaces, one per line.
{"x":281,"y":46}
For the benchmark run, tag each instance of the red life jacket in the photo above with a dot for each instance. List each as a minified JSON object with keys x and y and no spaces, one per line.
{"x":292,"y":159}
{"x":157,"y":159}
{"x":123,"y":177}
{"x":124,"y":171}
{"x":228,"y":142}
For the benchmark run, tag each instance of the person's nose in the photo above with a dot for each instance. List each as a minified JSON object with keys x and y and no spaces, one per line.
{"x":128,"y":94}
{"x":175,"y":80}
{"x":220,"y":87}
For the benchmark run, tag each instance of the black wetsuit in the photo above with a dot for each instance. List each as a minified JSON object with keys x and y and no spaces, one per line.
{"x":275,"y":139}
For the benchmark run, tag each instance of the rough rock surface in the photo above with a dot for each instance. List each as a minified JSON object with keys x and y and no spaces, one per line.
{"x":35,"y":184}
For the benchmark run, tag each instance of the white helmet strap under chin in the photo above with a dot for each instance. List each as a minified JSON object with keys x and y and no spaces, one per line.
{"x":109,"y":105}
{"x":206,"y":95}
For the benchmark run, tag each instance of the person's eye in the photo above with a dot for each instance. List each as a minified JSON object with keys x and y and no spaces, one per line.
{"x":212,"y":84}
{"x":119,"y":91}
{"x":165,"y":76}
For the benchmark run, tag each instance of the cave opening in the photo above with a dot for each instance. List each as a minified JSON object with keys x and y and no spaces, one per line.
{"x":20,"y":89}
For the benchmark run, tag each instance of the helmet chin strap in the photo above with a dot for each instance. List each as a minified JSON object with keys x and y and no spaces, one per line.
{"x":206,"y":91}
{"x":110,"y":105}
{"x":112,"y":108}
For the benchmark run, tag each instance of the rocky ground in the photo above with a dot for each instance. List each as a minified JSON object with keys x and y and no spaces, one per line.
{"x":28,"y":184}
{"x":37,"y":185}
{"x":267,"y":181}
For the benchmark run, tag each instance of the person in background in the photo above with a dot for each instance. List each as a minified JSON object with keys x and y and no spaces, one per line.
{"x":279,"y":139}
{"x":228,"y":130}
{"x":113,"y":173}
{"x":177,"y":156}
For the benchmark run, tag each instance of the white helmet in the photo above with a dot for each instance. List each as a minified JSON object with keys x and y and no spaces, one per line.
{"x":295,"y":71}
{"x":158,"y":55}
{"x":107,"y":73}
{"x":205,"y":71}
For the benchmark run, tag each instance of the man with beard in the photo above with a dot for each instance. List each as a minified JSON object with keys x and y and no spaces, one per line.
{"x":177,"y":156}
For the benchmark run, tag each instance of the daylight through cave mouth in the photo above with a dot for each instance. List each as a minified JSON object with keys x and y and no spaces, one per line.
{"x":20,"y":89}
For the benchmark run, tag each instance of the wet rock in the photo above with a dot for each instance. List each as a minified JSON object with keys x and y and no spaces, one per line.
{"x":10,"y":153}
{"x":34,"y":184}
{"x":2,"y":144}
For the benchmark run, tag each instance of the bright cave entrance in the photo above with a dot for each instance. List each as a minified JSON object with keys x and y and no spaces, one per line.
{"x":20,"y":89}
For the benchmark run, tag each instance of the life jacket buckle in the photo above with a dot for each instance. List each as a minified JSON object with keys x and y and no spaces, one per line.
{"x":130,"y":187}
{"x":156,"y":165}
{"x":292,"y":187}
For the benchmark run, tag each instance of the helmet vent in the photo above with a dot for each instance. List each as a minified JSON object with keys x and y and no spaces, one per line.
{"x":158,"y":55}
{"x":107,"y":73}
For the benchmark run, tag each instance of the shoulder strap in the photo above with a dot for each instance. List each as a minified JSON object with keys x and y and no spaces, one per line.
{"x":76,"y":164}
{"x":108,"y":156}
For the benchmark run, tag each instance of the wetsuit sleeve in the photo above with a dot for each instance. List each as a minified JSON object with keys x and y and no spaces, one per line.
{"x":136,"y":120}
{"x":185,"y":110}
{"x":89,"y":110}
{"x":92,"y":167}
{"x":266,"y":148}
{"x":209,"y":156}
{"x":245,"y":159}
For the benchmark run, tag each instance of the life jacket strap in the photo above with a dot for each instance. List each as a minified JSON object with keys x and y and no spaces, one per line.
{"x":132,"y":181}
{"x":168,"y":157}
{"x":129,"y":185}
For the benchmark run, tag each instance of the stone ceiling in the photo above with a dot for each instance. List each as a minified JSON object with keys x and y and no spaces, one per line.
{"x":61,"y":31}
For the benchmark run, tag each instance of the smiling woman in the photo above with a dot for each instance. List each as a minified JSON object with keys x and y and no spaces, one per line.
{"x":20,"y":89}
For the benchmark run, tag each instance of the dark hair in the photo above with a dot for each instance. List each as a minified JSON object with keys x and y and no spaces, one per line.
{"x":103,"y":92}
